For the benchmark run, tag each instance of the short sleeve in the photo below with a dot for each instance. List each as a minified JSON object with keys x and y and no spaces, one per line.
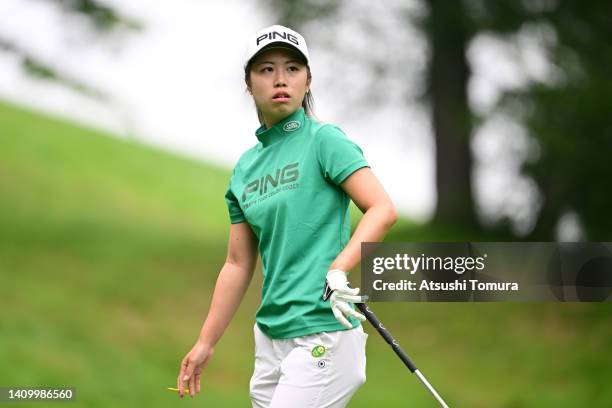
{"x":338,"y":156}
{"x":235,"y":212}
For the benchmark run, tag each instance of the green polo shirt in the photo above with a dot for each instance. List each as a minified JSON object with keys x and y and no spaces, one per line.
{"x":287,"y":187}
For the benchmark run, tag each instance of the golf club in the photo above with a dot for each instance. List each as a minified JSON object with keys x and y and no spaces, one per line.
{"x":398,"y":350}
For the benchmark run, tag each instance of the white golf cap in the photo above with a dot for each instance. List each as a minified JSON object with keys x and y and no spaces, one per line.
{"x":275,"y":36}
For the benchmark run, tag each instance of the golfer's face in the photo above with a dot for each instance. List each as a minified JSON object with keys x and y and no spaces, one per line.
{"x":278,"y":83}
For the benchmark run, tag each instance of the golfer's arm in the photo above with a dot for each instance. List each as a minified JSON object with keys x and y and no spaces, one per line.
{"x":379,"y":215}
{"x":232,"y":282}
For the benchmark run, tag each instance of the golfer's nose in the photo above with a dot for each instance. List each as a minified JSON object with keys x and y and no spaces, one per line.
{"x":280,"y":78}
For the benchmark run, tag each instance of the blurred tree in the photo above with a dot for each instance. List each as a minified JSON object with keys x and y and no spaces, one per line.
{"x":568,"y":117}
{"x":449,"y":31}
{"x":571,"y":122}
{"x":296,"y":13}
{"x":103,"y":19}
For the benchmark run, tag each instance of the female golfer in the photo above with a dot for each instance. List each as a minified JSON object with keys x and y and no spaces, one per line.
{"x":288,"y":201}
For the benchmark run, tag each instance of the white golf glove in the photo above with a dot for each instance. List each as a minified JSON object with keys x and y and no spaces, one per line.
{"x":340,"y":294}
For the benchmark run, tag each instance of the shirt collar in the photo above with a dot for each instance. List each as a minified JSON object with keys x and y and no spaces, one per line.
{"x":290,"y":124}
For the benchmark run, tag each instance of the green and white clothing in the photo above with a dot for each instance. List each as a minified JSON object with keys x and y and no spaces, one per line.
{"x":322,"y":370}
{"x":287,"y":187}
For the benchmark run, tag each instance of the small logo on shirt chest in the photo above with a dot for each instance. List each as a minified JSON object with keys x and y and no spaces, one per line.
{"x":291,"y":126}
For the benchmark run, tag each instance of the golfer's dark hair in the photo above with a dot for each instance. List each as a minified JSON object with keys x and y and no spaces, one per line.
{"x":308,"y":102}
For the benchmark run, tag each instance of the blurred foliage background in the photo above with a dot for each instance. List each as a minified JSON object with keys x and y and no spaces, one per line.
{"x":109,"y":249}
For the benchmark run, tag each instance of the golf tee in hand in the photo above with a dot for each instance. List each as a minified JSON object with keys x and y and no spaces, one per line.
{"x":191,"y":369}
{"x":340,"y":295}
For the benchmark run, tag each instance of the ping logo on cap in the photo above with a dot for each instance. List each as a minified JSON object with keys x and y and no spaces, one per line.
{"x":273,"y":35}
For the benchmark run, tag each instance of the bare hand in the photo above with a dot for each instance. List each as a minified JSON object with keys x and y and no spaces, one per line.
{"x":191,"y":368}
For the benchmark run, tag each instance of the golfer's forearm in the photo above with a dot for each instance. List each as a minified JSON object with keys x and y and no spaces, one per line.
{"x":373,"y":227}
{"x":232,"y":283}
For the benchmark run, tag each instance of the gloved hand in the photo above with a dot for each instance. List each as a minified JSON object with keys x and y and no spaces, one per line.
{"x":340,"y":294}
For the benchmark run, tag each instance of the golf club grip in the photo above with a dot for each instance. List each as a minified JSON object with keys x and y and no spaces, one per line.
{"x":386,"y":335}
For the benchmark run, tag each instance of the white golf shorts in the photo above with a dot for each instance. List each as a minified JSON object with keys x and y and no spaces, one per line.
{"x":321,"y":370}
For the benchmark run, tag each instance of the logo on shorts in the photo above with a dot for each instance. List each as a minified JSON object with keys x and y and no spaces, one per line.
{"x":318,"y":351}
{"x":291,"y":126}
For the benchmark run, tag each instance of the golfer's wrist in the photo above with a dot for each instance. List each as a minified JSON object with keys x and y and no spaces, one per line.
{"x":208,"y":337}
{"x":207,"y":343}
{"x":340,"y":263}
{"x":336,"y":278}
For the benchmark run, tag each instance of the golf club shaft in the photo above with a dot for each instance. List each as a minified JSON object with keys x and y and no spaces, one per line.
{"x":398,"y":350}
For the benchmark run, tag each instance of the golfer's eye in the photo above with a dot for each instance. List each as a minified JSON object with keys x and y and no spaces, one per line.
{"x":293,"y":68}
{"x":266,"y":69}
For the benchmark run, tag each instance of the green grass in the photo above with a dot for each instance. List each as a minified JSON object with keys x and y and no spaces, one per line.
{"x":108,"y":254}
